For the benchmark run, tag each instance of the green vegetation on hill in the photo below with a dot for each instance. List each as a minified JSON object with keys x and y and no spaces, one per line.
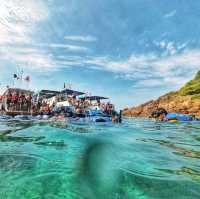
{"x":192,"y":88}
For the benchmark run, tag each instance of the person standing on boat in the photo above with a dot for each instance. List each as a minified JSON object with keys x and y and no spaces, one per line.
{"x":8,"y":100}
{"x":17,"y":101}
{"x":21,"y":101}
{"x":29,"y":102}
{"x":14,"y":101}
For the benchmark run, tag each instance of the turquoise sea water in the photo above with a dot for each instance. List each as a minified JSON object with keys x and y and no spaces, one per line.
{"x":139,"y":159}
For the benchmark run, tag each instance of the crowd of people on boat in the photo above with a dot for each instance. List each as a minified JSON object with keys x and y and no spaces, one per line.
{"x":81,"y":105}
{"x":78,"y":106}
{"x":16,"y":101}
{"x":20,"y":102}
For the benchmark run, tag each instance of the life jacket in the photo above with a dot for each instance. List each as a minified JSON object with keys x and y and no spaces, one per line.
{"x":46,"y":109}
{"x":9,"y":97}
{"x":60,"y":117}
{"x":14,"y":97}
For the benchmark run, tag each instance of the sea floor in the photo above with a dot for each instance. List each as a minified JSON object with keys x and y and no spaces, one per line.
{"x":138,"y":159}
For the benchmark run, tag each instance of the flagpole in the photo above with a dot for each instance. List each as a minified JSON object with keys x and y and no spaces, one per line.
{"x":22,"y":72}
{"x":13,"y":82}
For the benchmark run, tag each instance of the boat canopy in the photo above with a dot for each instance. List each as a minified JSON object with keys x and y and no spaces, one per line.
{"x":72,"y":92}
{"x":19,"y":90}
{"x":92,"y":98}
{"x":48,"y":93}
{"x":64,"y":103}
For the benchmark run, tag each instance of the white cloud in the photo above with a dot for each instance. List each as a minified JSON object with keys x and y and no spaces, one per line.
{"x":133,"y":64}
{"x":68,"y":47}
{"x":29,"y":58}
{"x":174,"y":69}
{"x":38,"y":59}
{"x":162,"y":44}
{"x":17,"y":18}
{"x":170,"y":14}
{"x":23,"y":11}
{"x":81,"y":38}
{"x":148,"y":69}
{"x":148,"y":83}
{"x":170,"y":47}
{"x":189,"y":59}
{"x":182,"y":46}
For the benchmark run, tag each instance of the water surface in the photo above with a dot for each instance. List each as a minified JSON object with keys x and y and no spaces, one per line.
{"x":137,"y":159}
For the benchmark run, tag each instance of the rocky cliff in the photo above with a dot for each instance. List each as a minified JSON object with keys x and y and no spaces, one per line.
{"x":186,"y":101}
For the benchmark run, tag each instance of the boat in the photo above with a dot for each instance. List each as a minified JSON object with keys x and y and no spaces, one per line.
{"x":94,"y":113}
{"x":68,"y":105}
{"x":13,"y":102}
{"x":5,"y":118}
{"x":24,"y":118}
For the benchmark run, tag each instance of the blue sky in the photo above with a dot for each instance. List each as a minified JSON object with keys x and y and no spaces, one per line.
{"x":128,"y":50}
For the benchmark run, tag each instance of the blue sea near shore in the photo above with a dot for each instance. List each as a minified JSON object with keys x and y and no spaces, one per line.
{"x":138,"y":159}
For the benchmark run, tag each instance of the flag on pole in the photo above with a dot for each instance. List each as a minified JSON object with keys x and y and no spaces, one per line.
{"x":15,"y":76}
{"x":27,"y":78}
{"x":88,"y":94}
{"x":21,"y":73}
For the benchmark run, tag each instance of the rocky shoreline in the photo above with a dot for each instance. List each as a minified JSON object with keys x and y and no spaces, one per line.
{"x":185,"y":101}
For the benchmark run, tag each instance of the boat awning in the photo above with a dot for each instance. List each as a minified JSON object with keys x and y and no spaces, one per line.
{"x":48,"y":93}
{"x":72,"y":92}
{"x":64,"y":103}
{"x":92,"y":98}
{"x":18,"y":90}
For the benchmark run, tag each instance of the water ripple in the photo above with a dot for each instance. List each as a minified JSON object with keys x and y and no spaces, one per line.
{"x":139,"y":159}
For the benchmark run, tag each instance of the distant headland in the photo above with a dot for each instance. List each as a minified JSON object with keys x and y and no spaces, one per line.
{"x":185,"y":101}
